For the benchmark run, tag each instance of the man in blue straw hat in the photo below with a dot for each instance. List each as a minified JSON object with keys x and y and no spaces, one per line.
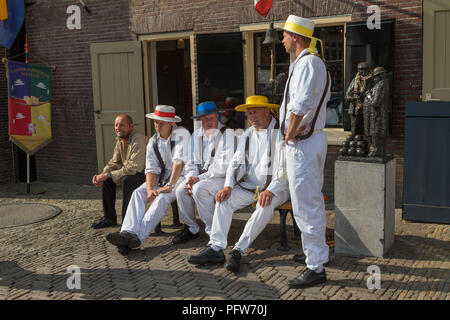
{"x":210,"y":148}
{"x":302,"y":118}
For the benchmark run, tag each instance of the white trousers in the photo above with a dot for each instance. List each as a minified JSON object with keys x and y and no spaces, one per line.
{"x":223,"y":215}
{"x":203,"y":195}
{"x":305,"y":161}
{"x":140,"y":222}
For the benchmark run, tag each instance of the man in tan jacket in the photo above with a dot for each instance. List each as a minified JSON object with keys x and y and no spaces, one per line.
{"x":126,"y":168}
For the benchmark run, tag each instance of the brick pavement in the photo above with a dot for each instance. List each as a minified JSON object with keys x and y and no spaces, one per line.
{"x":34,"y":260}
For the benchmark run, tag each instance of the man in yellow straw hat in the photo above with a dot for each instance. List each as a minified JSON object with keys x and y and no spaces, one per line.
{"x":302,"y":118}
{"x":251,"y":175}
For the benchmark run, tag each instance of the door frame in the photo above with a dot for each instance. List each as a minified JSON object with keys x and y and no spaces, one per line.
{"x":149,"y":65}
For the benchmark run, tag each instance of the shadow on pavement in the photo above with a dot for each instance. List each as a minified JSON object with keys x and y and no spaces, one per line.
{"x":125,"y":283}
{"x":51,"y":191}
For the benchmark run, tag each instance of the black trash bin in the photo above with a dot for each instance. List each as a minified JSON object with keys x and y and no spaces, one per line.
{"x":426,"y":178}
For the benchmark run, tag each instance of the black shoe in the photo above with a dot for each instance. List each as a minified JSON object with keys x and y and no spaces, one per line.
{"x":133,"y":239}
{"x":103,"y":223}
{"x":124,"y":239}
{"x":208,"y":256}
{"x":184,"y":236}
{"x":301,"y":258}
{"x":307,"y":279}
{"x":234,"y":261}
{"x":124,"y":250}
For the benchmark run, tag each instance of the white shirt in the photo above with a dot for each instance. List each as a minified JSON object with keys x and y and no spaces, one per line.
{"x":258,"y":160}
{"x":201,"y":158}
{"x":180,"y":151}
{"x":306,"y":87}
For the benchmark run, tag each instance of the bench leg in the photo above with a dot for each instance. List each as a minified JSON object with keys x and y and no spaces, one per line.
{"x":296,"y":229}
{"x":284,"y":244}
{"x":175,"y":215}
{"x":175,"y":219}
{"x":158,"y":230}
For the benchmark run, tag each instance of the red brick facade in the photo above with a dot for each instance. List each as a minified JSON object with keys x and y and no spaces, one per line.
{"x":72,"y":154}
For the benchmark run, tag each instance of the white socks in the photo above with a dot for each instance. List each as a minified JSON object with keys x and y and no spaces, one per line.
{"x":319,"y":269}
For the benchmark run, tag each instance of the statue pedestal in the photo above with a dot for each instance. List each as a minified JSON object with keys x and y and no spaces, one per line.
{"x":364,"y":207}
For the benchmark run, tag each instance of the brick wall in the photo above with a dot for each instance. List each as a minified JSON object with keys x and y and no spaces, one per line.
{"x":72,"y":155}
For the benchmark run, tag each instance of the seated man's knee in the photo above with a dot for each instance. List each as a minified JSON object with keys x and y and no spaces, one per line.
{"x":164,"y":198}
{"x":126,"y":181}
{"x":180,"y":192}
{"x":196,"y":190}
{"x":199,"y":190}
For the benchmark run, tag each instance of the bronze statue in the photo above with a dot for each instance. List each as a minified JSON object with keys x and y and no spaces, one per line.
{"x":355,"y":97}
{"x":376,"y":113}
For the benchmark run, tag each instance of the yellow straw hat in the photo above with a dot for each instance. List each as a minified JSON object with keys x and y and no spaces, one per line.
{"x":256,"y":102}
{"x":303,"y":27}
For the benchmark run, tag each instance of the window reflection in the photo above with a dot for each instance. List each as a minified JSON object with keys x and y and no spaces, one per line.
{"x":333,"y":41}
{"x":262,"y":68}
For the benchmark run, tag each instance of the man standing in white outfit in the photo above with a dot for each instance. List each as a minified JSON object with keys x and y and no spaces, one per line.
{"x":165,"y":159}
{"x":302,"y":118}
{"x":211,"y":147}
{"x":251,"y":175}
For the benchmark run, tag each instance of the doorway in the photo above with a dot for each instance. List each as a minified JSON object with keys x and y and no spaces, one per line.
{"x":173,"y":78}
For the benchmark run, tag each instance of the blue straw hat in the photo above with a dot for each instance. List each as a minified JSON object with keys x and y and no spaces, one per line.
{"x":205,"y":108}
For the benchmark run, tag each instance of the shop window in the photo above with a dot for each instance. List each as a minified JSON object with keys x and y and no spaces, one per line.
{"x":273,"y":91}
{"x":221,"y":74}
{"x":375,"y":46}
{"x":333,"y":42}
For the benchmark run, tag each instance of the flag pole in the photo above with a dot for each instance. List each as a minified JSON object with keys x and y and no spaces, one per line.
{"x":28,"y":155}
{"x":28,"y":174}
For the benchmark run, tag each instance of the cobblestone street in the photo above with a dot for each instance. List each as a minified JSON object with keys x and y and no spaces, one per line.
{"x":34,"y":259}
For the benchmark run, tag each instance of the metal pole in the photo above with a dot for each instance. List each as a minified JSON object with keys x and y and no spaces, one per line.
{"x":28,"y":173}
{"x":272,"y":70}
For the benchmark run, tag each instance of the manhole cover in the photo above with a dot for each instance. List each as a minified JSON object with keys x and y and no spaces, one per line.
{"x":20,"y":214}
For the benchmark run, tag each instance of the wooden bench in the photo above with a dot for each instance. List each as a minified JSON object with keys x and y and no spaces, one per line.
{"x":284,"y":209}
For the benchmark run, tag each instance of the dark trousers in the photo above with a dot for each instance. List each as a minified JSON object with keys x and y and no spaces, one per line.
{"x":129,"y":184}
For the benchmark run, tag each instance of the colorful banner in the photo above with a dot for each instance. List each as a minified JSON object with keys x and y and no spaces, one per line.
{"x":29,"y":105}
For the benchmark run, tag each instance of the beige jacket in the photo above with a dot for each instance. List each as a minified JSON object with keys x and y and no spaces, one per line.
{"x":128,"y":157}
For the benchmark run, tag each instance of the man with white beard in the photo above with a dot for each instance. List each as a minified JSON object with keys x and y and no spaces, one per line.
{"x":211,"y":147}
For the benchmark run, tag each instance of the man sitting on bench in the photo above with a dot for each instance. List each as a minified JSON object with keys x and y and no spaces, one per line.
{"x":211,"y":147}
{"x":125,"y":168}
{"x":166,"y":156}
{"x":251,"y":175}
